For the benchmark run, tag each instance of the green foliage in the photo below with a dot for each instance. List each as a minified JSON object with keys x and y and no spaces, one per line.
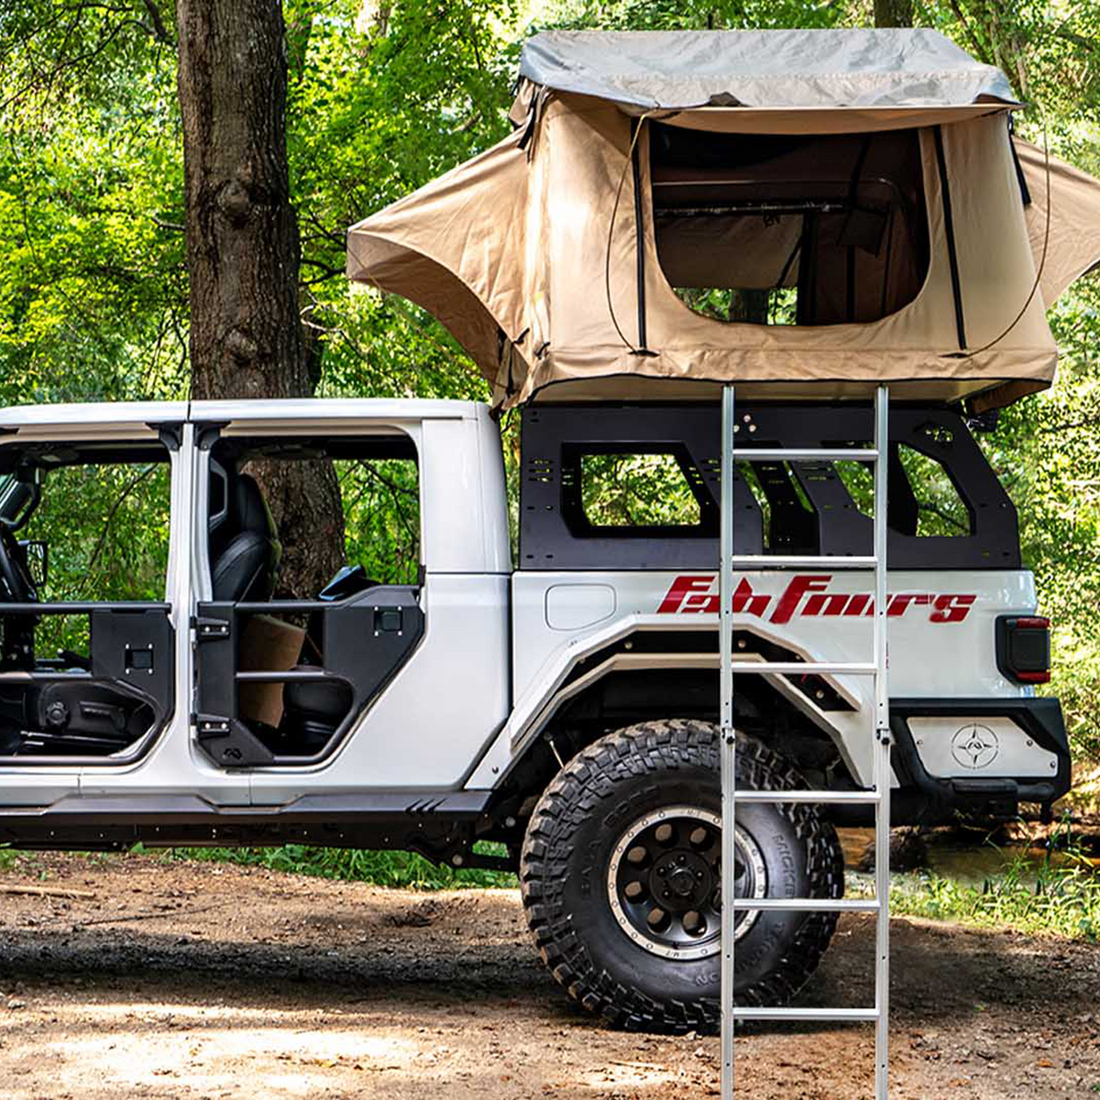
{"x":396,"y":869}
{"x":384,"y":97}
{"x":778,"y":306}
{"x":692,"y":14}
{"x":1059,"y":899}
{"x":1045,"y":451}
{"x":107,"y":532}
{"x":382,"y":518}
{"x":107,"y":528}
{"x":636,"y":490}
{"x":92,"y":289}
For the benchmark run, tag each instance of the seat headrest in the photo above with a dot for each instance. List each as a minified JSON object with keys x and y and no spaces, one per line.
{"x":250,"y":508}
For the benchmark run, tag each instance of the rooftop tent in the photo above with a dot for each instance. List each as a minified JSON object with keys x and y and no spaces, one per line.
{"x":676,"y":210}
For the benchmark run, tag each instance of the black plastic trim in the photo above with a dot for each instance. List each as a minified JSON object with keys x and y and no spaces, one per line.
{"x":117,"y":630}
{"x":208,"y":432}
{"x":357,"y":653}
{"x":431,"y":822}
{"x":170,"y":433}
{"x":555,"y":534}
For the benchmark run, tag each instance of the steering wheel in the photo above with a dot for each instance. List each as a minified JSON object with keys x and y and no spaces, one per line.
{"x":16,"y":583}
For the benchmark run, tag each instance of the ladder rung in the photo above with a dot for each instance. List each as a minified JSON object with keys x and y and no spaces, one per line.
{"x":805,"y":454}
{"x":813,"y":905}
{"x":805,"y":561}
{"x":808,"y":668}
{"x":805,"y":1013}
{"x":859,"y":798}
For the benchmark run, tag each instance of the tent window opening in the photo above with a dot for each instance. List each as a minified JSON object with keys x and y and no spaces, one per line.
{"x":790,"y":230}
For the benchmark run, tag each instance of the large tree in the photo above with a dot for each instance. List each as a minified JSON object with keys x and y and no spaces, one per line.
{"x":893,"y":13}
{"x":243,"y":255}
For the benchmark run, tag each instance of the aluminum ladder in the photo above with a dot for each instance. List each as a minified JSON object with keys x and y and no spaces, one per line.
{"x":878,"y":796}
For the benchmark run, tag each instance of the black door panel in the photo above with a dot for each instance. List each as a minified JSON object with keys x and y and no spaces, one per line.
{"x":352,"y":650}
{"x":102,"y":708}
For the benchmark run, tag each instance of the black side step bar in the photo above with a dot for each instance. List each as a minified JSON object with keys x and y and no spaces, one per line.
{"x":433,"y":822}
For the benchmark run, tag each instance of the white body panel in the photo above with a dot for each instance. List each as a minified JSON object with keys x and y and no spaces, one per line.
{"x":965,"y":662}
{"x":928,"y":658}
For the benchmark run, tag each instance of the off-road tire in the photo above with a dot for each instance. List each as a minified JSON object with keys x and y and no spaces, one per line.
{"x":565,"y":860}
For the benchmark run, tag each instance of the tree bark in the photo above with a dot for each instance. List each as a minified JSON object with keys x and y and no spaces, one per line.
{"x":750,"y":306}
{"x":243,"y":255}
{"x":893,"y":13}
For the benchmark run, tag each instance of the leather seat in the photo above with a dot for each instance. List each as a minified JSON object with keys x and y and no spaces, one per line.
{"x":248,"y":552}
{"x":322,"y":701}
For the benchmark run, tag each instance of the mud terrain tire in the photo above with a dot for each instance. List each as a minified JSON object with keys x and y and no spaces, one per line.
{"x":631,"y":776}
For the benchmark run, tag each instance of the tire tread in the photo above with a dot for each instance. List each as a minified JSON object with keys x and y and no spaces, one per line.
{"x":590,"y":780}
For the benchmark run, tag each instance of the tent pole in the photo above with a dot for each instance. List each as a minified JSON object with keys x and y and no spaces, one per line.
{"x":727,"y":736}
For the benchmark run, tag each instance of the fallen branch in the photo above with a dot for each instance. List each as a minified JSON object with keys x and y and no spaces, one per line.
{"x":168,"y":914}
{"x":47,"y":891}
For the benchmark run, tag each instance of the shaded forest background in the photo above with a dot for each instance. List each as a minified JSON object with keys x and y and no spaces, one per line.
{"x":382,"y":97}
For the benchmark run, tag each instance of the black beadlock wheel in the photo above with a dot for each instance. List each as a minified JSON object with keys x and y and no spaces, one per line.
{"x":621,"y":878}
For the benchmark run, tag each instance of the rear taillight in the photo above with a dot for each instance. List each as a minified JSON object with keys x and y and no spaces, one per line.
{"x":1023,"y":648}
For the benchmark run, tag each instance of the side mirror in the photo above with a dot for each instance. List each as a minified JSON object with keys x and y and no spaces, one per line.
{"x":36,"y":553}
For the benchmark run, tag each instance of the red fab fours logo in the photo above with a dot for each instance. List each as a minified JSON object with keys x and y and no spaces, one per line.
{"x":805,"y":596}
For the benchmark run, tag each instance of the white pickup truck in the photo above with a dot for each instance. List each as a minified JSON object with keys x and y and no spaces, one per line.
{"x":562,"y":703}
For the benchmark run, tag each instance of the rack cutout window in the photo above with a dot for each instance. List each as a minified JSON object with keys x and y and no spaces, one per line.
{"x":638,"y":493}
{"x":790,"y":230}
{"x":923,"y":499}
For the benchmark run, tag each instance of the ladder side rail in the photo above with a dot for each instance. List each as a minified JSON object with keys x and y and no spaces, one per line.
{"x":881,"y":733}
{"x":879,"y":796}
{"x":727,"y":741}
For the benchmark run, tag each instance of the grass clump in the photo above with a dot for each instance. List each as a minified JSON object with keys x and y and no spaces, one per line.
{"x":394,"y":869}
{"x":1061,"y":900}
{"x":1058,"y":895}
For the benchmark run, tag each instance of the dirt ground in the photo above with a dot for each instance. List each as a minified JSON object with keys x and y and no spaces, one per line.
{"x":200,"y":980}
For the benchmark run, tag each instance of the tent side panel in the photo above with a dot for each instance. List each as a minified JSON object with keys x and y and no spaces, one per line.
{"x":458,"y":247}
{"x":996,"y":269}
{"x":1074,"y":245}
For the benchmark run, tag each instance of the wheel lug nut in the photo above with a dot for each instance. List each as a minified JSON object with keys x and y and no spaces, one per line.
{"x":699,"y":874}
{"x":662,"y":871}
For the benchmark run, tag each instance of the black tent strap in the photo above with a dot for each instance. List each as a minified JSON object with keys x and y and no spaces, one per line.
{"x":949,"y":230}
{"x":639,"y":243}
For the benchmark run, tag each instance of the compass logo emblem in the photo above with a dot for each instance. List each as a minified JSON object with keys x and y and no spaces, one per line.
{"x":975,"y":746}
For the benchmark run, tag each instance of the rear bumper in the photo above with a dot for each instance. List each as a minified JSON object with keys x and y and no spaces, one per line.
{"x":1040,"y":718}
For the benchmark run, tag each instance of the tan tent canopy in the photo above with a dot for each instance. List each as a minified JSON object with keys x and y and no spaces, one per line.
{"x":779,"y":209}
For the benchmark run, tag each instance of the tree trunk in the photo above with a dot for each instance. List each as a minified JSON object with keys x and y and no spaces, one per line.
{"x":750,"y":306}
{"x":893,"y":13}
{"x":243,"y":255}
